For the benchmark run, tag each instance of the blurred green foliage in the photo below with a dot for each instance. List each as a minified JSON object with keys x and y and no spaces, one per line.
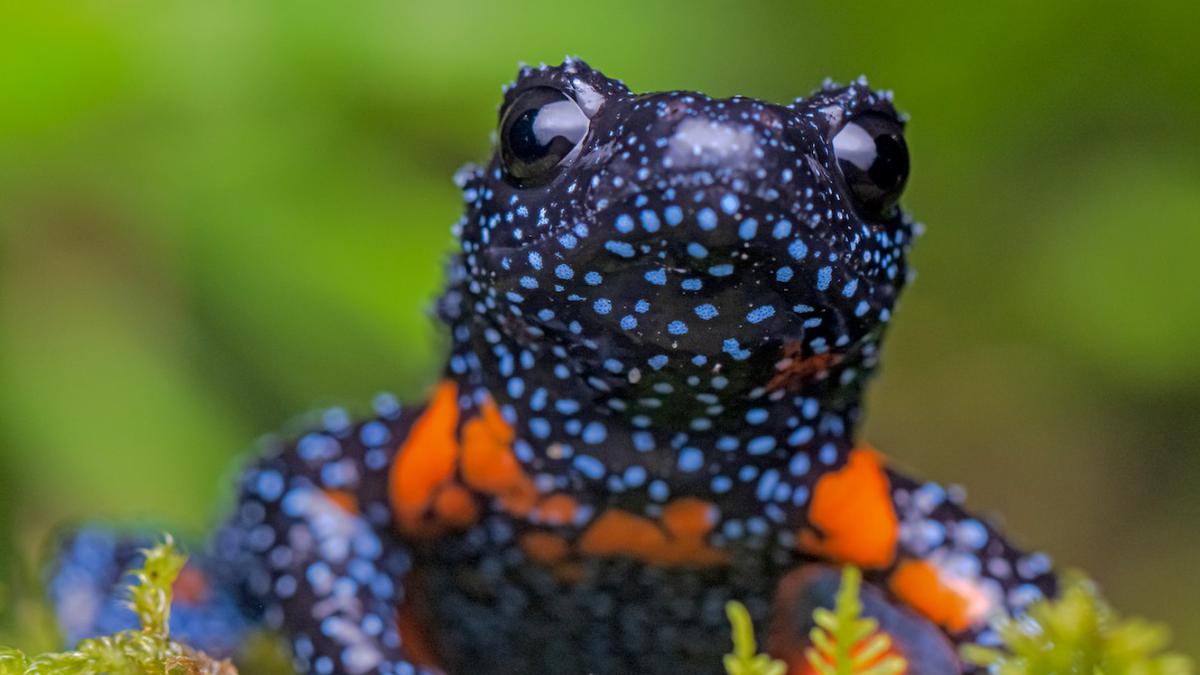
{"x":214,"y":215}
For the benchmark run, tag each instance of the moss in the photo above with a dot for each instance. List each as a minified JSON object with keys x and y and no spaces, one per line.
{"x":145,"y":651}
{"x":1079,"y":632}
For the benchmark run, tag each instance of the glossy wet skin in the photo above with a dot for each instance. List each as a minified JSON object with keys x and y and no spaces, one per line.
{"x":689,"y":227}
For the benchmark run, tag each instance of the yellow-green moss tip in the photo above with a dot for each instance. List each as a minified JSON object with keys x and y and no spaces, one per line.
{"x":146,"y":651}
{"x":846,"y":643}
{"x":745,"y":659}
{"x":1078,"y":633}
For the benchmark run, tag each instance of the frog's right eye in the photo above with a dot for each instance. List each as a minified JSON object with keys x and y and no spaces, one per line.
{"x":873,"y":158}
{"x":541,"y":129}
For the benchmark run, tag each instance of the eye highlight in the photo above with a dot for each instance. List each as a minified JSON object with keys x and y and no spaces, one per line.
{"x":873,"y":158}
{"x":541,"y":128}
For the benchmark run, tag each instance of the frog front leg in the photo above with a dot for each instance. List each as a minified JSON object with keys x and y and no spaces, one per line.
{"x":313,"y":541}
{"x":923,"y":555}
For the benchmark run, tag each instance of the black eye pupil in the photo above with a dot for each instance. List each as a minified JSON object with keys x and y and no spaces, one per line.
{"x":873,"y":157}
{"x":539,"y":130}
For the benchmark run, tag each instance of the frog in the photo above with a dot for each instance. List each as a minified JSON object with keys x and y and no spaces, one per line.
{"x":663,"y":313}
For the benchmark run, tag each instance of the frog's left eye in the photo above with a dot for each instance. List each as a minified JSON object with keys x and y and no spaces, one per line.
{"x":541,"y":129}
{"x":873,"y":157}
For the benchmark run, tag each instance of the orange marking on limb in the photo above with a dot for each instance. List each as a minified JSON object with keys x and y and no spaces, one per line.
{"x":425,"y":461}
{"x":344,"y":500}
{"x":955,"y":604}
{"x":853,"y":516}
{"x":557,"y":509}
{"x":545,"y":548}
{"x":415,"y":639}
{"x":488,"y":462}
{"x":191,"y":587}
{"x":455,"y":507}
{"x":678,"y":541}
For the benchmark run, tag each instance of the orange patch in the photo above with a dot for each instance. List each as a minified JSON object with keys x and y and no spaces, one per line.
{"x":852,"y":516}
{"x":488,"y":463}
{"x":415,"y":640}
{"x":345,"y":501}
{"x":557,"y":509}
{"x":425,"y":462}
{"x":679,"y":540}
{"x":191,"y":587}
{"x":545,"y":548}
{"x":455,"y":506}
{"x":954,"y":606}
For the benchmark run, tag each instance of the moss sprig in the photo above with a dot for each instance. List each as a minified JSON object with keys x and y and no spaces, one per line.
{"x":1079,"y":632}
{"x":145,"y":651}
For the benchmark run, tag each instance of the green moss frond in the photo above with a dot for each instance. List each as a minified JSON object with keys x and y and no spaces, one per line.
{"x":745,"y":659}
{"x":844,"y":642}
{"x":146,"y":651}
{"x":1079,"y":632}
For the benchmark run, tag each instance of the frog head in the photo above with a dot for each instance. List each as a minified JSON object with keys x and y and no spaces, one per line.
{"x":672,"y":245}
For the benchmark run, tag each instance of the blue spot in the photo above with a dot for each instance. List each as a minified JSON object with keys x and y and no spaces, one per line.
{"x":677,"y":328}
{"x":673,"y":214}
{"x":593,"y":278}
{"x":800,"y":436}
{"x":650,"y":221}
{"x":748,"y":228}
{"x":594,"y":433}
{"x":728,"y":443}
{"x":707,"y":218}
{"x":800,"y":464}
{"x":628,"y":322}
{"x":602,"y":306}
{"x":721,"y":270}
{"x":659,"y":491}
{"x":589,"y":466}
{"x":782,"y":229}
{"x":691,"y":284}
{"x":690,"y":459}
{"x":657,"y":277}
{"x":564,"y":272}
{"x":634,"y":476}
{"x":697,"y":250}
{"x":730,"y":346}
{"x":824,"y":276}
{"x":539,"y":427}
{"x":761,"y":445}
{"x":624,"y":223}
{"x":535,"y":259}
{"x":706,"y":311}
{"x":643,"y":441}
{"x":657,"y":362}
{"x":797,"y":249}
{"x":545,"y":314}
{"x":721,"y":484}
{"x":849,"y":288}
{"x":760,"y":314}
{"x":567,"y":240}
{"x":757,"y":415}
{"x":729,"y":204}
{"x":619,"y":248}
{"x":641,"y":307}
{"x":766,"y":484}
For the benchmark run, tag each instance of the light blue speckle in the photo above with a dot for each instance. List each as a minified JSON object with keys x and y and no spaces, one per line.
{"x":690,"y":459}
{"x":677,"y":328}
{"x":707,"y":219}
{"x":706,"y":311}
{"x":673,"y":215}
{"x":824,"y":276}
{"x":602,"y":306}
{"x":760,"y":314}
{"x":729,"y":204}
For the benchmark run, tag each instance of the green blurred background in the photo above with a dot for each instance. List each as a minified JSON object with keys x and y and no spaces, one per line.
{"x":216,"y":214}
